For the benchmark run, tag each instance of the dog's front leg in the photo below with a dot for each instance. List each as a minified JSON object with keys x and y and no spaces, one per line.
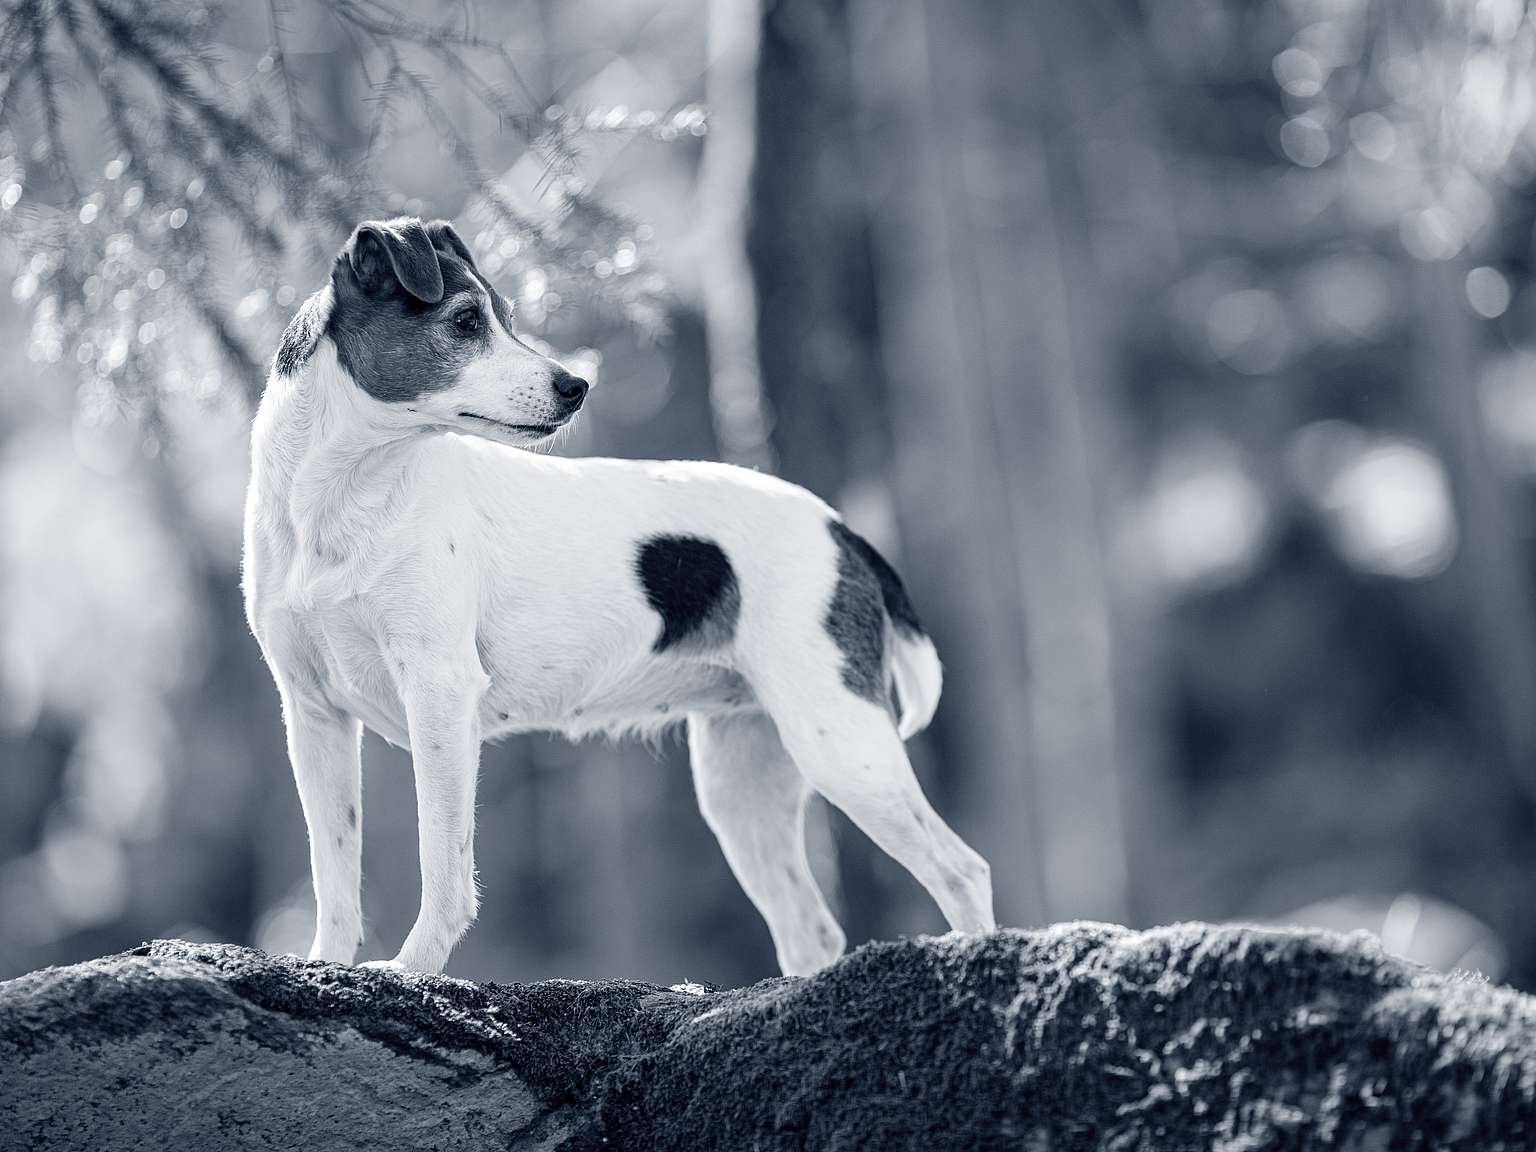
{"x":441,"y":707}
{"x":324,"y":746}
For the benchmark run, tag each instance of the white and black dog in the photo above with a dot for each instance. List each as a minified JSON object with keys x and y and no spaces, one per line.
{"x":406,"y":570}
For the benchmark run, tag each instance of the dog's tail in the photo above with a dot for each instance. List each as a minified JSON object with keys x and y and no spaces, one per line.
{"x":910,"y":655}
{"x":919,"y":678}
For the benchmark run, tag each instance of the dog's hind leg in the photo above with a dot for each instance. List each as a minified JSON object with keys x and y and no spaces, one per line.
{"x":753,"y":799}
{"x":848,"y":749}
{"x":445,"y":758}
{"x":324,"y":747}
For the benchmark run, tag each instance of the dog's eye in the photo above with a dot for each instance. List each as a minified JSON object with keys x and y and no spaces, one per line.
{"x":467,"y":320}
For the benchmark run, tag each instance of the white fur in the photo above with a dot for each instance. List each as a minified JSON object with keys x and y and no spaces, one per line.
{"x":444,"y":589}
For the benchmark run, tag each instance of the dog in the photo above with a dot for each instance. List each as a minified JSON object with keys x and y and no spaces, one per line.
{"x":408,"y":569}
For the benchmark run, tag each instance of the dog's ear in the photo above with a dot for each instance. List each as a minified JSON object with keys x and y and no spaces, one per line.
{"x":383,"y":253}
{"x":445,"y":235}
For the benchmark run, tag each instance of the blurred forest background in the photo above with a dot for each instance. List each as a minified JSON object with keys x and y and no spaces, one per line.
{"x":1181,"y":353}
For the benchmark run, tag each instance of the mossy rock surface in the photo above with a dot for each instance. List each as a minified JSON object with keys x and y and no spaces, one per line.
{"x":1082,"y":1036}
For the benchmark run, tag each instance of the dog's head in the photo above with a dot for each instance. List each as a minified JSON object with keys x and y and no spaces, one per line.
{"x":420,"y":330}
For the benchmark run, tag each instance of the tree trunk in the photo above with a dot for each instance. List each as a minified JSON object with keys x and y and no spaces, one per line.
{"x":1486,"y":586}
{"x":991,"y":330}
{"x":1083,"y":1036}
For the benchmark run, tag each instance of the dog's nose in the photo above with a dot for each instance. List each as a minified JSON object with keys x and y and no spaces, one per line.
{"x":571,"y":389}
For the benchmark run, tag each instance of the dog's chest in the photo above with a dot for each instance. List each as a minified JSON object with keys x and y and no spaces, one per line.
{"x":330,"y":629}
{"x":357,"y":676}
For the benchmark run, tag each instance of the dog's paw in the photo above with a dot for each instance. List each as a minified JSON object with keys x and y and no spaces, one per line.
{"x":384,"y":965}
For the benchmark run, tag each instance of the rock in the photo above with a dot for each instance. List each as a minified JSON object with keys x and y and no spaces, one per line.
{"x":1082,"y":1036}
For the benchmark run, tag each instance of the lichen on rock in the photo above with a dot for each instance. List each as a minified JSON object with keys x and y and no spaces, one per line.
{"x":1083,"y":1036}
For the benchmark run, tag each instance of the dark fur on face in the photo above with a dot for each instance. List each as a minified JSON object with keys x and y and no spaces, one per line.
{"x":410,"y":308}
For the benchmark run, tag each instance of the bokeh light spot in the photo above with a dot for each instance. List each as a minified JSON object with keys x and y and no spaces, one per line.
{"x":1305,"y":141}
{"x":1488,"y":292}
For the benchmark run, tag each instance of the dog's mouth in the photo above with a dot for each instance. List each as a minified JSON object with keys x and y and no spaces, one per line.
{"x":523,"y":429}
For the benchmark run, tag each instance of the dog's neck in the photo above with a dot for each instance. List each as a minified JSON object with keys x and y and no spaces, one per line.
{"x":326,"y":462}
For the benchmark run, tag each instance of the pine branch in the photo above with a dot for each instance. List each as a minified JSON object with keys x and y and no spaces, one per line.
{"x":47,"y":85}
{"x":196,"y":161}
{"x":280,"y":61}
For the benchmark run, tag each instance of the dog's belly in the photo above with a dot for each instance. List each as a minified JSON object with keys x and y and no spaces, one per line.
{"x":648,"y":697}
{"x":641,"y":695}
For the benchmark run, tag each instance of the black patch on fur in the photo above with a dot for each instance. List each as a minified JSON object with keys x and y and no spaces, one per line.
{"x":691,"y":585}
{"x":868,"y":593}
{"x":893,"y":594}
{"x":299,"y":338}
{"x":397,"y":346}
{"x":856,"y":622}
